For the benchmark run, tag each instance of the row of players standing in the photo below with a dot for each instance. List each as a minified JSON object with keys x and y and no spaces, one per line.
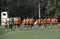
{"x":14,"y":23}
{"x":47,"y":22}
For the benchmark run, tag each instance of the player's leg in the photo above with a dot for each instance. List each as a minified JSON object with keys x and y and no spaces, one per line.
{"x":45,"y":26}
{"x":30,"y":25}
{"x":18,"y":26}
{"x":6,"y":28}
{"x":15,"y":26}
{"x":9,"y":27}
{"x":39,"y":26}
{"x":25,"y":26}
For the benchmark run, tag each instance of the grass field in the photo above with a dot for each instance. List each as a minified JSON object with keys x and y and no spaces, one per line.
{"x":32,"y":34}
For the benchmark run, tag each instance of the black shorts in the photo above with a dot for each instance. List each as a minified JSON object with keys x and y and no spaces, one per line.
{"x":6,"y":26}
{"x":54,"y":23}
{"x":31,"y":24}
{"x":18,"y":24}
{"x":25,"y":24}
{"x":11,"y":25}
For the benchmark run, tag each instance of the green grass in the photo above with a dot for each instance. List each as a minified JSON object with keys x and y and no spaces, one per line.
{"x":2,"y":30}
{"x":33,"y":34}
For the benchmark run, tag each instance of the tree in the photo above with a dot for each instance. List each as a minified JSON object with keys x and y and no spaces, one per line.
{"x":24,"y":8}
{"x":52,"y":8}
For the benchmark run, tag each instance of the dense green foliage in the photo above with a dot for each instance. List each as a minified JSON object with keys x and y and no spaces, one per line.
{"x":24,"y":8}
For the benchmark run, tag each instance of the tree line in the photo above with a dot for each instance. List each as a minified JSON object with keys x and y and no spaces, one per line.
{"x":29,"y":8}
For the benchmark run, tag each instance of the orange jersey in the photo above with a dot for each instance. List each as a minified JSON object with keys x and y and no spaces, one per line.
{"x":16,"y":21}
{"x":24,"y":21}
{"x":19,"y":21}
{"x":5,"y":22}
{"x":48,"y":20}
{"x":44,"y":21}
{"x":27,"y":21}
{"x":38,"y":21}
{"x":30,"y":21}
{"x":54,"y":20}
{"x":41,"y":21}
